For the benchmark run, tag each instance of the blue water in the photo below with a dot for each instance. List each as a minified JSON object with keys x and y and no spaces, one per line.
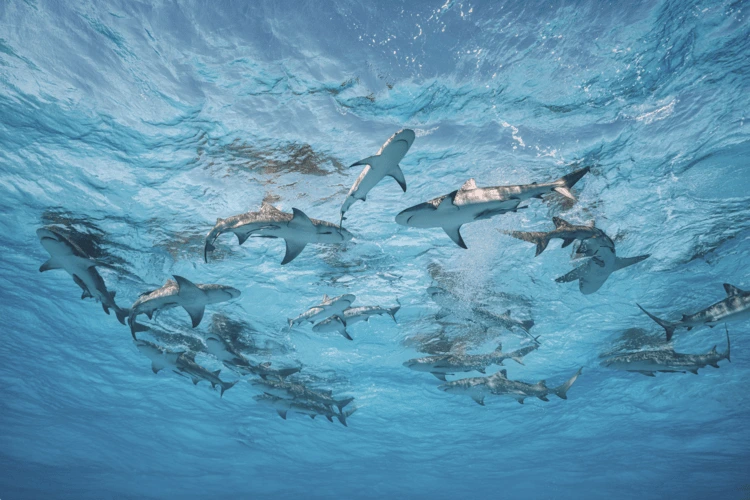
{"x":136,"y":124}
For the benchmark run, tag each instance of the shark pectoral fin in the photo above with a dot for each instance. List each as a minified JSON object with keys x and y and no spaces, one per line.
{"x":439,"y":376}
{"x":106,"y":309}
{"x":715,"y":365}
{"x":282,"y":414}
{"x":365,"y":161}
{"x":50,"y":264}
{"x":398,"y":175}
{"x":242,"y":238}
{"x":478,"y":399}
{"x":565,"y":192}
{"x":567,"y":241}
{"x":571,"y":276}
{"x":293,"y":249}
{"x":455,"y":234}
{"x":544,"y":398}
{"x":154,"y":368}
{"x":621,"y":262}
{"x":521,"y":400}
{"x":195,"y":381}
{"x":196,"y":313}
{"x":648,"y":374}
{"x":330,"y":418}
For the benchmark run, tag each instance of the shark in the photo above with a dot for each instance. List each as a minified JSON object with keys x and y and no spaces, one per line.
{"x":292,"y":390}
{"x":234,"y":360}
{"x":734,"y":307}
{"x":297,"y":230}
{"x":453,"y":363}
{"x":310,"y":408}
{"x":383,"y":163}
{"x":471,"y":203}
{"x":186,"y":364}
{"x":488,"y":318}
{"x":563,"y":230}
{"x":160,"y":357}
{"x":666,"y":360}
{"x":180,"y":292}
{"x":499,"y":385}
{"x":351,"y":315}
{"x":328,"y":307}
{"x":602,"y":263}
{"x":66,"y":255}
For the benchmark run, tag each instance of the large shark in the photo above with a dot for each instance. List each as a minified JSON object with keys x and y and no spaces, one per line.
{"x":297,"y":229}
{"x":65,"y":254}
{"x":310,"y":408}
{"x":563,"y":230}
{"x":734,"y":307}
{"x":603,"y":262}
{"x":160,"y":357}
{"x":187,"y":365}
{"x":450,"y":364}
{"x":234,"y":360}
{"x":339,"y":323}
{"x":292,"y":390}
{"x":499,"y":385}
{"x":666,"y":360}
{"x":471,"y":203}
{"x":180,"y":292}
{"x":329,"y":307}
{"x":384,"y":163}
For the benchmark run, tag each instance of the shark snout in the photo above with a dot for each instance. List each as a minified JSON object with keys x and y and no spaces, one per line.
{"x":404,"y":217}
{"x":233,"y":292}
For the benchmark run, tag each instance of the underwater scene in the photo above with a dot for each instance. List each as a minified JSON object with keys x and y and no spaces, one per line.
{"x":435,"y":249}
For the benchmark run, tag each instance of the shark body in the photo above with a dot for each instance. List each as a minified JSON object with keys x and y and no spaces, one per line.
{"x":450,"y":364}
{"x":328,"y":307}
{"x":297,"y":230}
{"x":351,"y":315}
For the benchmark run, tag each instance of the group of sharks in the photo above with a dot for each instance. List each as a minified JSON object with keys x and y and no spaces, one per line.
{"x":449,"y":212}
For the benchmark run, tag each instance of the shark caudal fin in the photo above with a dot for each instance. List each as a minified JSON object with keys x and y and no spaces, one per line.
{"x":621,"y":262}
{"x":122,"y":314}
{"x":562,"y":391}
{"x":568,"y":181}
{"x":393,"y":310}
{"x":342,"y":403}
{"x":136,"y":327}
{"x":225,"y":386}
{"x":668,"y":327}
{"x":343,"y":416}
{"x":541,"y":240}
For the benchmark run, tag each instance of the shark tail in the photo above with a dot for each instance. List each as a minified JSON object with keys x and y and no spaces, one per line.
{"x":122,"y":314}
{"x":136,"y":327}
{"x":541,"y":240}
{"x":562,"y":391}
{"x":668,"y":327}
{"x":342,"y":403}
{"x":393,"y":310}
{"x":225,"y":386}
{"x":568,"y":181}
{"x":208,"y":248}
{"x":343,"y":416}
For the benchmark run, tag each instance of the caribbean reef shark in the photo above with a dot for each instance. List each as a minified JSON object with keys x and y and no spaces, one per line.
{"x":328,"y":307}
{"x":453,"y":363}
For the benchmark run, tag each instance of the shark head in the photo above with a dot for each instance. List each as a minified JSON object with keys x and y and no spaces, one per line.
{"x":214,"y":233}
{"x":53,"y":242}
{"x":332,"y":324}
{"x":421,"y":215}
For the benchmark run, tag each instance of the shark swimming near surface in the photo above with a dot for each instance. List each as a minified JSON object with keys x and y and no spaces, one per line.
{"x":339,"y":323}
{"x":471,"y":203}
{"x":602,"y":263}
{"x":499,"y":385}
{"x":66,"y":255}
{"x":224,"y":352}
{"x":183,"y":293}
{"x":328,"y":307}
{"x":297,"y":230}
{"x":666,"y":360}
{"x":309,"y":408}
{"x":292,"y":390}
{"x":384,"y":163}
{"x":160,"y":357}
{"x":186,"y":364}
{"x":734,"y":307}
{"x":563,"y":230}
{"x":458,"y":362}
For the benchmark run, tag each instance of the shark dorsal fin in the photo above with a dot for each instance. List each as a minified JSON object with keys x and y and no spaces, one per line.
{"x":499,"y":347}
{"x":219,"y":220}
{"x":560,"y":223}
{"x":217,"y":372}
{"x":542,"y":383}
{"x":501,"y":374}
{"x":267,"y":364}
{"x":185,"y":284}
{"x":732,"y":290}
{"x":507,"y":313}
{"x":267,"y":207}
{"x":713,"y":350}
{"x":325,"y":298}
{"x":300,"y":219}
{"x":591,"y":224}
{"x":470,"y":184}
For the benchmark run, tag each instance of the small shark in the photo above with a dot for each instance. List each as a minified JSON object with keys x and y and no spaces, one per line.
{"x":234,"y":360}
{"x":471,"y":203}
{"x":292,"y":390}
{"x":160,"y":357}
{"x":187,"y":365}
{"x":297,"y":229}
{"x":339,"y":323}
{"x":735,"y":307}
{"x":563,"y":230}
{"x":499,"y":385}
{"x":450,"y":364}
{"x":384,"y":163}
{"x":309,"y":408}
{"x":329,"y":307}
{"x":64,"y":254}
{"x":488,"y":318}
{"x":666,"y":360}
{"x":180,"y":292}
{"x":603,"y":262}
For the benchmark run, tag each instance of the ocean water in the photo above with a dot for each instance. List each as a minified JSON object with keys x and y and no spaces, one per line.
{"x":134,"y":125}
